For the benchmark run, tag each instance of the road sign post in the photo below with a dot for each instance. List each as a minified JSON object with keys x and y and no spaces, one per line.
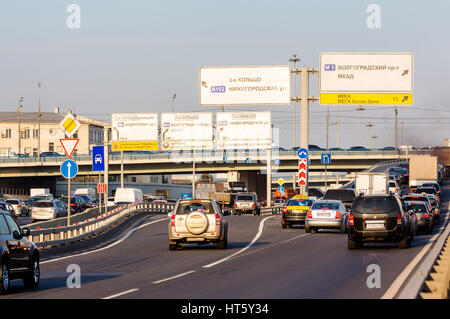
{"x":69,"y":170}
{"x":325,"y":159}
{"x":303,"y":169}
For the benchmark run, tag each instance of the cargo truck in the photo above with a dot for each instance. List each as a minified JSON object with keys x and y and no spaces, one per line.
{"x":44,"y":192}
{"x":372,"y":183}
{"x":422,"y":169}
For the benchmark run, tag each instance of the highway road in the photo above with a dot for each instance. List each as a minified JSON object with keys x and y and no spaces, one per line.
{"x":262,"y":261}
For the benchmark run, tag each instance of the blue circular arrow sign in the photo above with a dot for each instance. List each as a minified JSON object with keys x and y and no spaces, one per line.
{"x":302,"y":153}
{"x":69,"y":169}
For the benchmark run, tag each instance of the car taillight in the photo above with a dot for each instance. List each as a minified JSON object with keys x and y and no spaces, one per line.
{"x":351,"y":220}
{"x":73,"y":204}
{"x":436,"y":211}
{"x":399,"y":219}
{"x":235,"y":205}
{"x":284,"y":210}
{"x":396,"y":190}
{"x":18,"y":206}
{"x":439,"y":191}
{"x":253,"y":205}
{"x":172,"y":220}
{"x":309,"y":214}
{"x":217,"y":219}
{"x":338,"y":215}
{"x":425,"y":216}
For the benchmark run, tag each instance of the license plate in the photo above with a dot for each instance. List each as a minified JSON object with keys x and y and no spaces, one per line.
{"x":375,"y":226}
{"x":323,"y":214}
{"x":297,"y":211}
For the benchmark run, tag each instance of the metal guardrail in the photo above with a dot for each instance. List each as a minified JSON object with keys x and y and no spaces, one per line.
{"x":78,"y":230}
{"x":439,"y":284}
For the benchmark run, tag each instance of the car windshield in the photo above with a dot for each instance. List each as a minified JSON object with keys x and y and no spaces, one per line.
{"x":415,"y":198}
{"x":340,"y":194}
{"x":43,"y":204}
{"x":426,"y":190}
{"x":417,"y":208}
{"x":391,"y":184}
{"x":12,"y":201}
{"x":433,"y":202}
{"x":245,"y":197}
{"x":375,"y":205}
{"x":200,"y":206}
{"x":299,"y":202}
{"x":320,"y":205}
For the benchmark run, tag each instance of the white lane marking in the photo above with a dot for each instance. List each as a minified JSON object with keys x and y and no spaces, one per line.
{"x":174,"y":277}
{"x":261,"y":227}
{"x":288,"y":240}
{"x":121,"y":294}
{"x":398,"y":282}
{"x":106,"y":247}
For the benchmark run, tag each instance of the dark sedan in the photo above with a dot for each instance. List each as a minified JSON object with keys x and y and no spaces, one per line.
{"x":20,"y":257}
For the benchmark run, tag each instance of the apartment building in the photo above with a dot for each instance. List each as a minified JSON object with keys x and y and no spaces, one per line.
{"x":90,"y":133}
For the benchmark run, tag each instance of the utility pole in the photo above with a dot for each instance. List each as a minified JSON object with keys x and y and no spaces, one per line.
{"x":39,"y":122}
{"x":19,"y":112}
{"x":360,"y":108}
{"x":173,"y":102}
{"x":294,"y":60}
{"x":304,"y":111}
{"x":396,"y":128}
{"x":328,"y":125}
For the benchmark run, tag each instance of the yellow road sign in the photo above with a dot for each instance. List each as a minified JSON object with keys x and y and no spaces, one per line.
{"x":69,"y":125}
{"x":366,"y":98}
{"x":135,"y":146}
{"x":280,"y":181}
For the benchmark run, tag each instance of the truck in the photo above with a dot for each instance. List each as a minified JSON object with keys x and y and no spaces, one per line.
{"x":128,"y":196}
{"x":372,"y":183}
{"x":224,"y":200}
{"x":205,"y":190}
{"x":44,"y":192}
{"x":90,"y":192}
{"x":162,"y":193}
{"x":422,"y":169}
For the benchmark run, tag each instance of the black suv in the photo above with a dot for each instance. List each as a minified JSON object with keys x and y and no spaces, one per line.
{"x":375,"y":218}
{"x":19,"y":256}
{"x":345,"y":195}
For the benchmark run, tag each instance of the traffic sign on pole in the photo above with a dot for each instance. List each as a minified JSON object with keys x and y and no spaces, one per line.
{"x":325,"y":158}
{"x":69,"y":145}
{"x":302,"y":153}
{"x":302,"y":169}
{"x":69,"y":169}
{"x":98,"y":158}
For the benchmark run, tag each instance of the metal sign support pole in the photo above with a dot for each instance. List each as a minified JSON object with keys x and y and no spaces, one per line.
{"x":269,"y":177}
{"x":68,"y":200}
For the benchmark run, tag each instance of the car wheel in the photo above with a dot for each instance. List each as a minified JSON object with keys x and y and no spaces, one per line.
{"x":353,"y":244}
{"x":283,"y":225}
{"x":32,"y":278}
{"x":343,"y":229}
{"x":222,"y":244}
{"x":4,"y":279}
{"x":402,"y":244}
{"x":314,"y":230}
{"x":307,"y":229}
{"x":173,"y":246}
{"x":429,"y":228}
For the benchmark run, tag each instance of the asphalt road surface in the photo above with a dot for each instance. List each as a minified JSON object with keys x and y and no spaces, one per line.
{"x":262,"y":261}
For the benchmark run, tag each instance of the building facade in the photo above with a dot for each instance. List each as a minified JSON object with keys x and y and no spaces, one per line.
{"x":11,"y":143}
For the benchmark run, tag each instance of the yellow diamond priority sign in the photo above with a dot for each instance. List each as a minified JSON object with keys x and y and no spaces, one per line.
{"x":69,"y":125}
{"x":280,"y":181}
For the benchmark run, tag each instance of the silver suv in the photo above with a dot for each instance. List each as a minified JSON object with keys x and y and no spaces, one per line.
{"x":246,"y":202}
{"x":197,"y":221}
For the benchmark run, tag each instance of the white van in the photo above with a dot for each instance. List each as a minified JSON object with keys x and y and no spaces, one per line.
{"x":128,"y":196}
{"x":87,"y":191}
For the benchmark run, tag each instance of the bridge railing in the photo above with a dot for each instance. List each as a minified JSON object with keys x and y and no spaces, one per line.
{"x":184,"y":156}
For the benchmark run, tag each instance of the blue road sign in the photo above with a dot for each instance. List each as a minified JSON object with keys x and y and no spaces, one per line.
{"x":69,"y":169}
{"x":302,"y":153}
{"x":248,"y":160}
{"x":325,"y":158}
{"x":98,"y":158}
{"x":309,"y":161}
{"x":277,"y":161}
{"x":225,"y":159}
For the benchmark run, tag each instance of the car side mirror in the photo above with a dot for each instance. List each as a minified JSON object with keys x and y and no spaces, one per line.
{"x":26,"y":232}
{"x":16,"y":235}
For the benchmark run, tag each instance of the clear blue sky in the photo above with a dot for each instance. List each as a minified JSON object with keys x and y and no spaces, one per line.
{"x":131,"y":56}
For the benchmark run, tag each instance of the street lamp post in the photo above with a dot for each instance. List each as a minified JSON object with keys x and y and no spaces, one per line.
{"x":294,"y":60}
{"x":173,"y":102}
{"x":19,"y":111}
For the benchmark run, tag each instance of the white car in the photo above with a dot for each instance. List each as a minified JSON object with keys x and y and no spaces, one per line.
{"x":393,"y":187}
{"x":47,"y":209}
{"x":326,"y":214}
{"x":110,"y":202}
{"x":18,"y":206}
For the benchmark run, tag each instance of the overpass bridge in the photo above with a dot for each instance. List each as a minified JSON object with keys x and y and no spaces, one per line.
{"x":205,"y":162}
{"x":27,"y":172}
